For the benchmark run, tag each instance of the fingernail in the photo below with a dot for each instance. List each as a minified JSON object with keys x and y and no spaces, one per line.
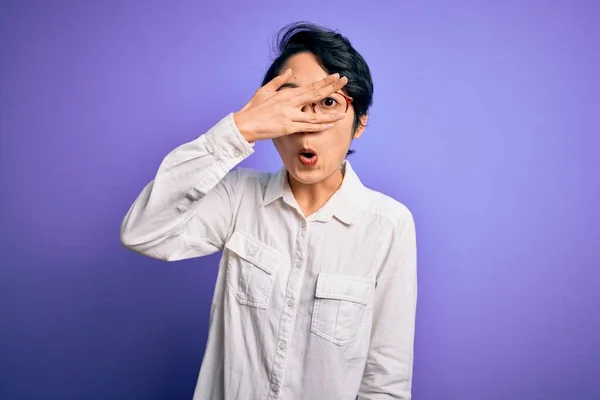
{"x":329,"y":126}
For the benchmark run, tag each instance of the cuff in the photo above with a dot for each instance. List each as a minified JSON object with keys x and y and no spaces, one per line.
{"x":227,"y":143}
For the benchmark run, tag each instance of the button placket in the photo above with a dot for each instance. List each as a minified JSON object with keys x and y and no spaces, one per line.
{"x":301,"y":241}
{"x":288,"y":316}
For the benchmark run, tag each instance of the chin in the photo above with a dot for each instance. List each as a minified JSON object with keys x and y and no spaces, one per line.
{"x":306,"y":176}
{"x":309,"y":175}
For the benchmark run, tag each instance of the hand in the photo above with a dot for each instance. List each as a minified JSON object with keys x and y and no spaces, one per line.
{"x":271,"y":113}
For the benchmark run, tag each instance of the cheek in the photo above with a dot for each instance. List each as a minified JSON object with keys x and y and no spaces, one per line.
{"x":278,"y":143}
{"x":282,"y":144}
{"x":349,"y":124}
{"x":342,"y":136}
{"x":344,"y":127}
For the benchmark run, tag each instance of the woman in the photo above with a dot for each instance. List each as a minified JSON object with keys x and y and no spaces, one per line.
{"x":316,"y":290}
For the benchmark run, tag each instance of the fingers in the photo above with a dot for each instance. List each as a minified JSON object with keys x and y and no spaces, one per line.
{"x":312,"y":118}
{"x":320,"y":90}
{"x":328,"y":80}
{"x":307,"y":127}
{"x":311,"y":122}
{"x":279,"y":80}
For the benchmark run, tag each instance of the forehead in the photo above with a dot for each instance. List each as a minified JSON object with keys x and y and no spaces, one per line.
{"x":305,"y":69}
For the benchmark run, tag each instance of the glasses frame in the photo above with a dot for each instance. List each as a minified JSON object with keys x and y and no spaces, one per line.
{"x":349,"y":101}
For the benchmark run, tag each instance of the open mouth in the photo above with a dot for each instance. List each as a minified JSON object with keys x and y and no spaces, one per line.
{"x":307,"y":157}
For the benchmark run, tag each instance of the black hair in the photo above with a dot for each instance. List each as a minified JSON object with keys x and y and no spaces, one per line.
{"x":334,"y":53}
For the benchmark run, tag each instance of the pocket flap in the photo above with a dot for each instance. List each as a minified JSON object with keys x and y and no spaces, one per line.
{"x":344,"y":287}
{"x":259,"y":254}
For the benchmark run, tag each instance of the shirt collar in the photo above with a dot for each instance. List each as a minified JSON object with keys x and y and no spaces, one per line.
{"x":343,"y":204}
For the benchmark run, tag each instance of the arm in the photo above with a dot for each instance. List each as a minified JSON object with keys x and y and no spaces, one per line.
{"x":186,"y":210}
{"x":388,"y":370}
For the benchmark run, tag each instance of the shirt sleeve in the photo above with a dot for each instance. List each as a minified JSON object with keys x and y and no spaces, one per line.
{"x":186,"y":210}
{"x":388,"y":370}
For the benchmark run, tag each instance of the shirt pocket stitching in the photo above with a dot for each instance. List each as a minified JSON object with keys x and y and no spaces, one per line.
{"x":248,"y":258}
{"x":333,"y":292}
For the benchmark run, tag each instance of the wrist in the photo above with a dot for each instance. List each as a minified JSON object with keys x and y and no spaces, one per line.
{"x":239,"y":122}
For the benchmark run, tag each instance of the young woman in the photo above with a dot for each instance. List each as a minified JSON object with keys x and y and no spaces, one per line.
{"x":316,"y":290}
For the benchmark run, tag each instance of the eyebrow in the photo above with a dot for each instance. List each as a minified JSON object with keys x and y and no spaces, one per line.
{"x":288,"y":85}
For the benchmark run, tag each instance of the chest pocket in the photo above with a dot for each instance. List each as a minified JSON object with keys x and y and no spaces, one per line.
{"x":340,"y":305}
{"x":251,"y":269}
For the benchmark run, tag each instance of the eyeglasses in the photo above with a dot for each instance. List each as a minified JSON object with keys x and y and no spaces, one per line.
{"x":335,"y":103}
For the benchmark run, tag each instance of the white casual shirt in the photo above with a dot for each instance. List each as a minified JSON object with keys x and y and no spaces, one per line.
{"x":317,"y":307}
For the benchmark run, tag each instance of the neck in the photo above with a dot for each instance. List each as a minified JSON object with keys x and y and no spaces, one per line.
{"x":311,"y":197}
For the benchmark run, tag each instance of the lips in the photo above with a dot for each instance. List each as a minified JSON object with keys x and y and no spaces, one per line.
{"x":308,"y":156}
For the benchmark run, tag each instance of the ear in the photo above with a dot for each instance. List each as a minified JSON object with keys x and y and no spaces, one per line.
{"x":362,"y":126}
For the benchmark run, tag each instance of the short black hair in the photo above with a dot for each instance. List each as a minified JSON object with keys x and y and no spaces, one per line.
{"x":334,"y":53}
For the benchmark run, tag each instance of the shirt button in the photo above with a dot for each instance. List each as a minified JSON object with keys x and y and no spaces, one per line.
{"x":303,"y":224}
{"x":299,"y":265}
{"x":237,"y":153}
{"x":290,"y":303}
{"x":281,"y":346}
{"x":275,"y":388}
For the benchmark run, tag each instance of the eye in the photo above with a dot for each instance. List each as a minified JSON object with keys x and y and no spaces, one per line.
{"x":329,"y":102}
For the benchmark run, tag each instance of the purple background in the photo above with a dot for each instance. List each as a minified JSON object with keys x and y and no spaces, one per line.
{"x":485,"y":123}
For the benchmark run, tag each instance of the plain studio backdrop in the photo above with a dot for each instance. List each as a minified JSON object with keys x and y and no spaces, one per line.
{"x":485,"y":124}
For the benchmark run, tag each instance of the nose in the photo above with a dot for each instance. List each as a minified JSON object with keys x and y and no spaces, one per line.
{"x":307,"y":108}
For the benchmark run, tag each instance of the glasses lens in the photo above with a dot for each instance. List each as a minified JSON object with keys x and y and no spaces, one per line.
{"x":332,"y":104}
